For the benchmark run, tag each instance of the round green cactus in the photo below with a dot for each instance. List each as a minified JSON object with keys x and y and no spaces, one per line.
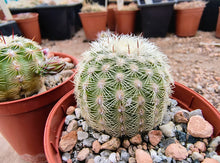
{"x":123,"y":85}
{"x":22,"y":63}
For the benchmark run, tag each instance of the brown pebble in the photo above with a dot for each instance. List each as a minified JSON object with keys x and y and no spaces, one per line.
{"x":179,"y":117}
{"x":209,"y":160}
{"x":143,"y":157}
{"x":125,"y":143}
{"x":136,"y":140}
{"x":155,"y":137}
{"x":201,"y":146}
{"x":70,"y":110}
{"x":68,"y":141}
{"x":112,"y":144}
{"x":176,"y":151}
{"x":96,"y":146}
{"x":83,"y":154}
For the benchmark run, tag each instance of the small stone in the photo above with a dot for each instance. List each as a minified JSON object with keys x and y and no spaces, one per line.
{"x":155,"y":137}
{"x":66,"y":156}
{"x":201,"y":146}
{"x":142,"y":156}
{"x":97,"y":159}
{"x":181,"y":136}
{"x":82,"y":135}
{"x":195,"y":112}
{"x":191,"y":139}
{"x":78,"y":113}
{"x":69,"y":161}
{"x":199,"y":127}
{"x":181,"y":117}
{"x":125,"y":143}
{"x":112,"y":157}
{"x":136,"y":139}
{"x":125,"y":156}
{"x":96,"y":146}
{"x":216,"y":157}
{"x":176,"y":151}
{"x":70,"y":110}
{"x":168,"y":129}
{"x":131,"y":151}
{"x":112,"y":144}
{"x":85,"y":126}
{"x":209,"y":160}
{"x":96,"y":135}
{"x":72,"y":126}
{"x":131,"y":160}
{"x":154,"y":156}
{"x":83,"y":154}
{"x":104,"y":138}
{"x":105,"y":153}
{"x":88,"y":142}
{"x":144,"y":146}
{"x":165,"y":143}
{"x":91,"y":160}
{"x":68,"y":141}
{"x":69,"y":118}
{"x":214,"y":143}
{"x":179,"y":127}
{"x":197,"y":156}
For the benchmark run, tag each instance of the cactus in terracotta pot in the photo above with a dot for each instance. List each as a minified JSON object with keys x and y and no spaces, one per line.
{"x":123,"y":85}
{"x":22,"y":65}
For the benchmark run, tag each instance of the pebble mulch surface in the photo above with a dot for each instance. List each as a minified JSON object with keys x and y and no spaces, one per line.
{"x":183,"y":137}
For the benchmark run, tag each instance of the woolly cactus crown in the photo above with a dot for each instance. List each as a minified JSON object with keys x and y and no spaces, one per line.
{"x":22,"y":63}
{"x":123,"y":85}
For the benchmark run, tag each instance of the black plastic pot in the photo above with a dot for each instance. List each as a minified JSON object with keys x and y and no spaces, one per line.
{"x":155,"y":18}
{"x":7,"y":28}
{"x":58,"y":22}
{"x":210,"y":15}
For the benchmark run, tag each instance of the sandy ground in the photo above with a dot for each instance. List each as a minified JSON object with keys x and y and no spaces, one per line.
{"x":195,"y":62}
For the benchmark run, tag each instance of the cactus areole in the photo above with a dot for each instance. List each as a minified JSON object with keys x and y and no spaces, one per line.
{"x":22,"y":63}
{"x":123,"y":85}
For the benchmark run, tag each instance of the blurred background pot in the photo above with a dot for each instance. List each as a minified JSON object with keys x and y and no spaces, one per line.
{"x":29,"y":25}
{"x":93,"y":23}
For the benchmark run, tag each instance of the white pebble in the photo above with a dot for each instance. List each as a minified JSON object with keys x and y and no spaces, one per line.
{"x":82,"y":135}
{"x":112,"y":157}
{"x":69,"y":118}
{"x":85,"y":126}
{"x":66,"y":156}
{"x":78,"y":113}
{"x":168,"y":129}
{"x":104,"y":138}
{"x":216,"y":157}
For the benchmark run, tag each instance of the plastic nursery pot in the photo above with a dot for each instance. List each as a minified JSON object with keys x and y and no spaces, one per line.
{"x":155,"y":19}
{"x":22,"y":121}
{"x":111,"y":19}
{"x":217,"y":33}
{"x":93,"y":23}
{"x":187,"y":21}
{"x":209,"y":18}
{"x":186,"y":98}
{"x":125,"y":21}
{"x":59,"y":22}
{"x":9,"y":27}
{"x":29,"y":25}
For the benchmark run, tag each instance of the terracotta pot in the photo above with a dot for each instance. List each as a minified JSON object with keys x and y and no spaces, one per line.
{"x":93,"y":23}
{"x":187,"y":21}
{"x":22,"y":121}
{"x":29,"y":25}
{"x":217,"y":34}
{"x":186,"y":98}
{"x":111,"y":19}
{"x":125,"y":21}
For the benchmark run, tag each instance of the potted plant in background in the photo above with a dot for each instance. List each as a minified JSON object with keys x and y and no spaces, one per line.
{"x":217,"y":32}
{"x":111,"y":16}
{"x":155,"y":17}
{"x":94,"y":18}
{"x":29,"y":25}
{"x":123,"y":89}
{"x":125,"y":17}
{"x":188,"y":15}
{"x":28,"y":90}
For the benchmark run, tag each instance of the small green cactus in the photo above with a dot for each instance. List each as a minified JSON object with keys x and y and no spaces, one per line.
{"x":123,"y":85}
{"x":22,"y":63}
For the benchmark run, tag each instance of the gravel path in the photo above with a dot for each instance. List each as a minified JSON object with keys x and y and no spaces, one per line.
{"x":195,"y":61}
